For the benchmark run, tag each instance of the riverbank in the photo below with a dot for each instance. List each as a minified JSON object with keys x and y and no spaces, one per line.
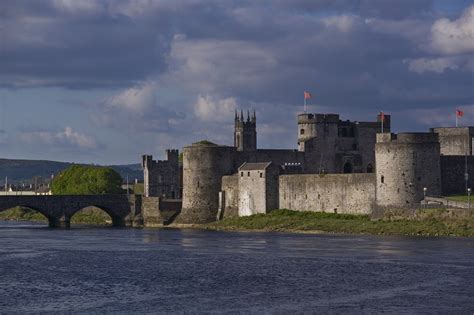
{"x":429,"y":222}
{"x":90,"y":216}
{"x":424,"y":222}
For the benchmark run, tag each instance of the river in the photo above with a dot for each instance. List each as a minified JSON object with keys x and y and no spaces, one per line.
{"x":86,"y":269}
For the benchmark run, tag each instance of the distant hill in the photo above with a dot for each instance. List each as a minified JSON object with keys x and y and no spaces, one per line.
{"x":25,"y":170}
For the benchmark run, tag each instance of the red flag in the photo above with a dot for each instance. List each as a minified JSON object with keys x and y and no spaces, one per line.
{"x":459,"y":113}
{"x":307,"y":95}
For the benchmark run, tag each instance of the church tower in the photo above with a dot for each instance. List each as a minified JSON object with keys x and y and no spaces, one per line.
{"x":245,"y":132}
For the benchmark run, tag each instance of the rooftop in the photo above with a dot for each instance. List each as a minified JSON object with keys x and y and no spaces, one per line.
{"x":254,"y":166}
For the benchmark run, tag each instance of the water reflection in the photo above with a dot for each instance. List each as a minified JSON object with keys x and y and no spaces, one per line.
{"x":164,"y":270}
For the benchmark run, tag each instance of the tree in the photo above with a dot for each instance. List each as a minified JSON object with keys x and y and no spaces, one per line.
{"x":87,"y":180}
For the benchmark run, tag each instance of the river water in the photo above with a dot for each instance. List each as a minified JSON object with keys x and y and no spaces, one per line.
{"x":125,"y":271}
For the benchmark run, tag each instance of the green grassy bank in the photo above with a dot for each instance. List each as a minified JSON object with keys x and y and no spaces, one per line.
{"x":460,"y":198}
{"x":427,"y":222}
{"x":91,"y":216}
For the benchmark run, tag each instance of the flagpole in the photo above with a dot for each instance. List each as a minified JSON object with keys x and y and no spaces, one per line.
{"x":382,"y":118}
{"x":304,"y":104}
{"x":456,"y":119}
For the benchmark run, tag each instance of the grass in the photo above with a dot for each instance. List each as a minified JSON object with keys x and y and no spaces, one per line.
{"x":22,"y":214}
{"x":204,"y":142}
{"x":91,"y":216}
{"x":430,"y":224}
{"x":459,"y":198}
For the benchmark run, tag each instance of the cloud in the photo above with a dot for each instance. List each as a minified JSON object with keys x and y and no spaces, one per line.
{"x":211,"y":110}
{"x":82,"y":6}
{"x":343,"y":23}
{"x":165,"y":65}
{"x":438,"y":65}
{"x":136,"y":108}
{"x":454,"y":37}
{"x":137,"y":99}
{"x":64,"y":138}
{"x":450,"y":46}
{"x":437,"y":117}
{"x":208,"y":65}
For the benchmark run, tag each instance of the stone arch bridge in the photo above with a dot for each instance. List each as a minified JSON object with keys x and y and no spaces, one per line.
{"x":60,"y":209}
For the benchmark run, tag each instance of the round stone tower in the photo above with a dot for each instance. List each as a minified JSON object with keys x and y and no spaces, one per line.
{"x":204,"y":164}
{"x":406,"y":164}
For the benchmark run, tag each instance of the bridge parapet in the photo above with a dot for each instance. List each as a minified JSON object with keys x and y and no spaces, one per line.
{"x":59,"y":209}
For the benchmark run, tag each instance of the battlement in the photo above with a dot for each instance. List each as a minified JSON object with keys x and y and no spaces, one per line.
{"x":171,"y":157}
{"x":308,"y":118}
{"x":407,"y":137}
{"x":147,"y":161}
{"x":455,"y":140}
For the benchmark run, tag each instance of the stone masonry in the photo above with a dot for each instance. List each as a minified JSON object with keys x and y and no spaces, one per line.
{"x":327,"y":170}
{"x":162,"y":178}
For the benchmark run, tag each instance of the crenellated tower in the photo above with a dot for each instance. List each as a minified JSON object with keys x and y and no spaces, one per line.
{"x":245,"y":132}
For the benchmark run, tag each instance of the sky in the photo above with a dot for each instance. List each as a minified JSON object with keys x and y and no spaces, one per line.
{"x":105,"y":81}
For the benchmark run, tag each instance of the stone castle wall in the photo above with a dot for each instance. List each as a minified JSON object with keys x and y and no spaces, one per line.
{"x":162,"y":178}
{"x":406,"y":164}
{"x":278,"y":157}
{"x":230,"y":189}
{"x":203,"y":168}
{"x":258,"y":188}
{"x":341,"y":193}
{"x":155,"y":211}
{"x":453,"y":169}
{"x":455,"y":141}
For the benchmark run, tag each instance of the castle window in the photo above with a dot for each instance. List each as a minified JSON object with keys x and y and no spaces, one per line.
{"x":369,"y":168}
{"x":348,"y":168}
{"x":354,"y":147}
{"x":241,"y":174}
{"x":261,"y":175}
{"x":302,"y":132}
{"x":382,"y":179}
{"x":351,"y":132}
{"x":248,"y":174}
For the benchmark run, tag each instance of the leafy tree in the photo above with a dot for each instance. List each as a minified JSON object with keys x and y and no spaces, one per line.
{"x":87,"y":180}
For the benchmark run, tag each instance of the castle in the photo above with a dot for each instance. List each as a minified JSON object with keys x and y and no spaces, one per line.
{"x":339,"y":166}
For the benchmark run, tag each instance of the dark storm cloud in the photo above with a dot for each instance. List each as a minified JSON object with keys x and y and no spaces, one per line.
{"x":356,"y":56}
{"x":83,"y":44}
{"x":370,"y":8}
{"x":76,"y":47}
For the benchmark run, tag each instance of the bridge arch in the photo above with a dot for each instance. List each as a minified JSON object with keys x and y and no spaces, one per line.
{"x":117,"y":220}
{"x":52,"y":221}
{"x":60,"y":208}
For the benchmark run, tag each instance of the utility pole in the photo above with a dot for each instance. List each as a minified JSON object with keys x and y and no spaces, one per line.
{"x":466,"y":174}
{"x":469,"y":199}
{"x":424,"y":196}
{"x":128,"y":191}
